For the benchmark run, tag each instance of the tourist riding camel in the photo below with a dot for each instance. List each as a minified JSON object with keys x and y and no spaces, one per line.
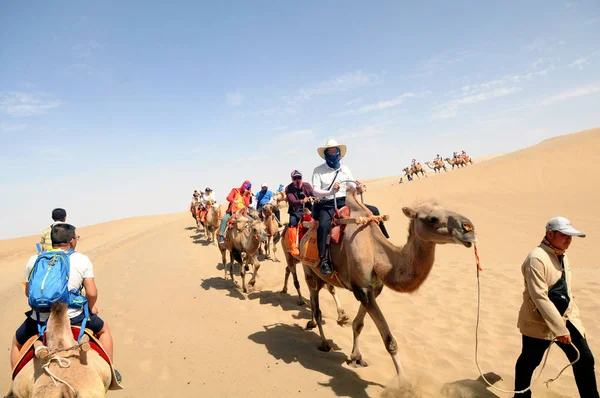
{"x":58,"y":215}
{"x":262,"y":198}
{"x":298,"y":195}
{"x":81,"y":275}
{"x":238,"y":198}
{"x":329,"y":181}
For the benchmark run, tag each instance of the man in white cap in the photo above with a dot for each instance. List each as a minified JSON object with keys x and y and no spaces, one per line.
{"x":549,"y":312}
{"x":262,"y":198}
{"x":328,"y":179}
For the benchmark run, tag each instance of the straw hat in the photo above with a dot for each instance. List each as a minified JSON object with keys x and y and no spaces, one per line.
{"x":331,"y":143}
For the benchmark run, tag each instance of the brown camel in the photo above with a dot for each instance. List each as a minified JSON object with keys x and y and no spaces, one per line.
{"x":364,"y":261}
{"x":412,"y":171}
{"x":436,"y":167}
{"x":455,"y":162}
{"x":243,"y":241}
{"x":212,"y":222}
{"x":272,"y":228}
{"x":79,"y":371}
{"x":194,"y":211}
{"x":280,"y":199}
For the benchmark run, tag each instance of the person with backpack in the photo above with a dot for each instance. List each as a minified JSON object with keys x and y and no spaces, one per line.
{"x":58,"y":215}
{"x":549,"y":312}
{"x":330,"y":179}
{"x":48,"y":269}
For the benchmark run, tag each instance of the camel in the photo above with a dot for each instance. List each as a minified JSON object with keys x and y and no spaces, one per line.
{"x":435,"y":166}
{"x":415,"y":171}
{"x":78,"y":371}
{"x":279,"y":198}
{"x":244,"y":238}
{"x":455,"y":162}
{"x":194,"y":209}
{"x":212,"y":222}
{"x":364,"y":261}
{"x":272,"y":229}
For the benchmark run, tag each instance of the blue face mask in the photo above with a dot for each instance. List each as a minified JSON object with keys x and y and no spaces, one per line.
{"x":333,"y":161}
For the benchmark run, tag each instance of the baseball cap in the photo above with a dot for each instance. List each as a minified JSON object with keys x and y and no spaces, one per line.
{"x":296,"y":173}
{"x":564,"y":226}
{"x":264,"y":185}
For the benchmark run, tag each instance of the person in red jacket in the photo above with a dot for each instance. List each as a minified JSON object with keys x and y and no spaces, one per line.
{"x":238,"y":198}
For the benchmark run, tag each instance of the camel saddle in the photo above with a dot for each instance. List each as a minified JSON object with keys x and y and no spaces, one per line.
{"x":337,"y":229}
{"x":28,"y":353}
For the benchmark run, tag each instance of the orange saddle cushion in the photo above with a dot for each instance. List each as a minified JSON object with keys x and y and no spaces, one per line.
{"x":337,"y":230}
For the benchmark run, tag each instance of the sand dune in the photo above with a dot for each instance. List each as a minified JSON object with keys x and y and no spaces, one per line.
{"x":182,"y":330}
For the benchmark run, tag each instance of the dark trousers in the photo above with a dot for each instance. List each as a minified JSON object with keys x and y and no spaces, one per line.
{"x":533,"y":351}
{"x":295,"y":218}
{"x":324,"y":212}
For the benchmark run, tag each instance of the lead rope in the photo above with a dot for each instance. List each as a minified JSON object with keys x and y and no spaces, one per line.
{"x":63,"y":363}
{"x":547,"y":382}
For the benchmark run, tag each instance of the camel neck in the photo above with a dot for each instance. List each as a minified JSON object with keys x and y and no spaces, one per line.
{"x":407,"y":267}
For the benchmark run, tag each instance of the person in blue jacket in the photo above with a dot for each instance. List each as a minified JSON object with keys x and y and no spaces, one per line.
{"x":262,"y":198}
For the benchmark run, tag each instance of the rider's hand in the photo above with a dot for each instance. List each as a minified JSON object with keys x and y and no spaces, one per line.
{"x":94,"y":310}
{"x":336,"y":186}
{"x":566,"y":339}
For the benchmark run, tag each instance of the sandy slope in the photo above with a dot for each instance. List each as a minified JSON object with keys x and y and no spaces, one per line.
{"x":181,"y":330}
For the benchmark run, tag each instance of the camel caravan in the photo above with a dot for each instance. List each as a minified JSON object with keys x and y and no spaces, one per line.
{"x":437,"y":165}
{"x":341,"y":242}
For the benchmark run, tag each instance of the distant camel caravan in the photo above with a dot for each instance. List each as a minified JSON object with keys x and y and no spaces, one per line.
{"x":415,"y":170}
{"x":364,"y":261}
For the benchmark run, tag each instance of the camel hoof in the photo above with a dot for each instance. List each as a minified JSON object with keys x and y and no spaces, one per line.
{"x":252,"y":283}
{"x":343,"y":319}
{"x":357,"y":363}
{"x":301,"y":303}
{"x":325,"y":347}
{"x":283,"y":291}
{"x":311,"y":325}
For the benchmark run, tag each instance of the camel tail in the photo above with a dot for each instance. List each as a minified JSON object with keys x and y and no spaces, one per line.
{"x":237,"y":255}
{"x":276,"y":237}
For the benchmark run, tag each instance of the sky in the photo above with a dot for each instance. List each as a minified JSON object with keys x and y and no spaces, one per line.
{"x":118,"y":109}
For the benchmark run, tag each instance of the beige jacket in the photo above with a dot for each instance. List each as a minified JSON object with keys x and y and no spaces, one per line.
{"x":541,"y":270}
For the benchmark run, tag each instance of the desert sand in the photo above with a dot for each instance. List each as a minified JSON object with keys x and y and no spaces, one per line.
{"x":182,"y":330}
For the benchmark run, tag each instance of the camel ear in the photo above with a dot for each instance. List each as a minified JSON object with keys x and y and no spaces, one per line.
{"x":408,"y":212}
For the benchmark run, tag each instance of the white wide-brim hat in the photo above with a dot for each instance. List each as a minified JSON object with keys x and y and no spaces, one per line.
{"x":331,"y":143}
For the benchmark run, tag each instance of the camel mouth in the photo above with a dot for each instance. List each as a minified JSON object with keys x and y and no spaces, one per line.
{"x":466,"y":239}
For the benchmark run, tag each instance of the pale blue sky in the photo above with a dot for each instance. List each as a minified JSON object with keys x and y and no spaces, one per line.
{"x":114,"y":110}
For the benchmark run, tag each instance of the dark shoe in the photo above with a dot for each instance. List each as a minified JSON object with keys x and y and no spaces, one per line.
{"x":326,"y":267}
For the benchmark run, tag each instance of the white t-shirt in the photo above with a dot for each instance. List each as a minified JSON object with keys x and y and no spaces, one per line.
{"x":212,"y":197}
{"x":322,"y":179}
{"x":81,"y":267}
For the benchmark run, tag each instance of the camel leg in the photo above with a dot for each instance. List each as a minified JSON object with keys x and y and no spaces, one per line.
{"x":357,"y":327}
{"x":243,"y":275}
{"x":343,"y":318}
{"x":231,"y":263}
{"x":256,"y":266}
{"x":391,"y":345}
{"x":318,"y":317}
{"x":285,"y":280}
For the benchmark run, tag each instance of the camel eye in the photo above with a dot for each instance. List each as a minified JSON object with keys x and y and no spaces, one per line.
{"x":432,"y":220}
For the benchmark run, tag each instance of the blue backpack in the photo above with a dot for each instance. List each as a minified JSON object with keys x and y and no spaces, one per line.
{"x":49,"y":284}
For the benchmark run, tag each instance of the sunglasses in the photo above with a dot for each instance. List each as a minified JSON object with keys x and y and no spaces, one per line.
{"x":296,"y":178}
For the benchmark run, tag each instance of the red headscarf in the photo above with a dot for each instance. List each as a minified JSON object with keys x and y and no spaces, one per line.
{"x":245,"y":186}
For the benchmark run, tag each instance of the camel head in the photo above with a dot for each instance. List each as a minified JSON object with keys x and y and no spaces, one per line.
{"x":258,"y":230}
{"x":268,"y":209}
{"x":432,"y":223}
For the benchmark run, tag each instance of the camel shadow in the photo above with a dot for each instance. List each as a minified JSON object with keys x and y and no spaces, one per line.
{"x":470,"y":388}
{"x":285,"y":301}
{"x":291,"y":343}
{"x":189,"y":228}
{"x":219,"y":283}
